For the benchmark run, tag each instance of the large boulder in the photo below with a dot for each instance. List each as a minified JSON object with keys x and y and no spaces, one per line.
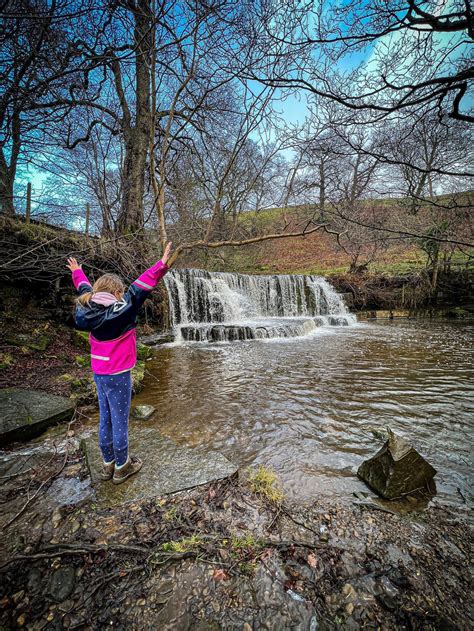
{"x":397,"y":469}
{"x":25,"y":414}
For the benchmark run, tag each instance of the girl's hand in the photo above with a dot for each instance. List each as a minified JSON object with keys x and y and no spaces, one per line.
{"x":167,"y":252}
{"x":73,"y":265}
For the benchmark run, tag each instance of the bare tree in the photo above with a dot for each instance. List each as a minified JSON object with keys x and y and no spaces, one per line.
{"x":36,"y":61}
{"x":412,"y":53}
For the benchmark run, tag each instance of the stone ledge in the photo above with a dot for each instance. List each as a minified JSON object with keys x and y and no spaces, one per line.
{"x":167,"y":468}
{"x":25,"y":414}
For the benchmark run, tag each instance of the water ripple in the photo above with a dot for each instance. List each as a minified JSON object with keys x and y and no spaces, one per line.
{"x":308,"y":407}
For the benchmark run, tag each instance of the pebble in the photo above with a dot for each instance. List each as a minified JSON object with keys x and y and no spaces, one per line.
{"x":73,"y":470}
{"x":246,"y":627}
{"x":75,"y":526}
{"x":143,"y":412}
{"x":56,"y":517}
{"x":349,"y":591}
{"x":62,"y":582}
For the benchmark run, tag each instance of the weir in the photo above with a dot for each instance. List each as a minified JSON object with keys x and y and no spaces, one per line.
{"x":224,"y":307}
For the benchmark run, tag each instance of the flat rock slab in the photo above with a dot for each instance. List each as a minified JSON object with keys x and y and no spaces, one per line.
{"x":167,"y":467}
{"x":25,"y":414}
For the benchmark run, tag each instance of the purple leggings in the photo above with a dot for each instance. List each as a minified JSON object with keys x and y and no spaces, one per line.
{"x":115,"y":395}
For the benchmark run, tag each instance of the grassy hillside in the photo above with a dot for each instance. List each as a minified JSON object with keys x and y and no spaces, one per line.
{"x":317,"y":253}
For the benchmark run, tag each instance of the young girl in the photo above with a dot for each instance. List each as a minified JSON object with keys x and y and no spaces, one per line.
{"x":110,"y":314}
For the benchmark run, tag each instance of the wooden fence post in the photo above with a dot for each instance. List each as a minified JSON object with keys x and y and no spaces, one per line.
{"x":88,"y":216}
{"x":28,"y":202}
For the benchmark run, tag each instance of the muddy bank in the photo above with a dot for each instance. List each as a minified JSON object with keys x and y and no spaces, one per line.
{"x":228,"y":555}
{"x":40,"y":350}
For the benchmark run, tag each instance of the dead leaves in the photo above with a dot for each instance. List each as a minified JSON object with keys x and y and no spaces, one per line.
{"x":220,"y":575}
{"x":311,"y":560}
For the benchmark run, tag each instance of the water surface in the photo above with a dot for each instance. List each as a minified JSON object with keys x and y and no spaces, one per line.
{"x":307,"y":406}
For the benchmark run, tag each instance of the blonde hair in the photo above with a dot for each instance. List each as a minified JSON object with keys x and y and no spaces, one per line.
{"x":108,"y":282}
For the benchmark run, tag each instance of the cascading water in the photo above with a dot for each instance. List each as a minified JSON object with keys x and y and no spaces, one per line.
{"x":218,"y":306}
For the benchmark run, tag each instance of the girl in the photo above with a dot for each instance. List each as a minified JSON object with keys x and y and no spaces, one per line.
{"x":110,"y":314}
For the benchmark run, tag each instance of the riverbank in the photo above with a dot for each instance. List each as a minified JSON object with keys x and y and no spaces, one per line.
{"x":228,"y":555}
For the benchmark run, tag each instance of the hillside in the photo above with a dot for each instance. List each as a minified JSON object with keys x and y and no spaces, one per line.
{"x":319,"y":252}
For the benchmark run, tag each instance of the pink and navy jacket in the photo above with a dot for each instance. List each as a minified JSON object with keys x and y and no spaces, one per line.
{"x":112,"y":328}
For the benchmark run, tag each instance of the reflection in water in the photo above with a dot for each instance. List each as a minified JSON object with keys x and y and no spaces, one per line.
{"x":307,"y":406}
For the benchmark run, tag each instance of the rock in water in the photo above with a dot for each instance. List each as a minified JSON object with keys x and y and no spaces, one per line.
{"x":397,"y":469}
{"x":143,"y":412}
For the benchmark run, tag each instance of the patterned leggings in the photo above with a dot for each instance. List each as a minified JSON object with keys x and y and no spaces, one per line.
{"x":115,"y":395}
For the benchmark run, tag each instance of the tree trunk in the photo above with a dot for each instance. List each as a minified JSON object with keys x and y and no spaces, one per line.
{"x":322,"y":191}
{"x":434,"y":274}
{"x":7,"y":206}
{"x":137,"y":136}
{"x":8,"y":171}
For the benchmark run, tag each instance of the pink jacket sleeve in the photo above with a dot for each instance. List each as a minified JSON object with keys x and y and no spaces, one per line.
{"x":149,"y":279}
{"x":79,"y":278}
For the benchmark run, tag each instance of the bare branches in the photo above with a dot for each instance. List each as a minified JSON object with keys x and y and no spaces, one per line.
{"x":395,"y":40}
{"x":231,"y":243}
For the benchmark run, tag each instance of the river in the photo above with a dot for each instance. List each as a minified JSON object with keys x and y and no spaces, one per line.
{"x":308,"y":406}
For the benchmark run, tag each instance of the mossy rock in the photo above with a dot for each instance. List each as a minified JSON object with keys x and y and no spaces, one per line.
{"x":31,"y":342}
{"x":80,"y":383}
{"x":80,"y":339}
{"x":83,"y":390}
{"x":81,"y":360}
{"x":458,"y":312}
{"x":143,"y":352}
{"x":6,"y":360}
{"x":138,"y":374}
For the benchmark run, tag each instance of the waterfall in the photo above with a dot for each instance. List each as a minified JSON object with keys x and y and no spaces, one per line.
{"x":219,"y":306}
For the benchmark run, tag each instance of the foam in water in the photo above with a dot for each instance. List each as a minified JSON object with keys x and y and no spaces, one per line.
{"x":218,"y":306}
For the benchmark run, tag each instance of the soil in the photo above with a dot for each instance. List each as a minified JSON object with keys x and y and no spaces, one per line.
{"x":43,"y":369}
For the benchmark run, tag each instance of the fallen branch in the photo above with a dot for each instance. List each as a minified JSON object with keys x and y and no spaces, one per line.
{"x":231,"y":243}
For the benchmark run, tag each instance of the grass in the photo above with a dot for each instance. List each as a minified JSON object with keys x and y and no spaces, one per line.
{"x":263,"y":482}
{"x":267,"y":215}
{"x":247,"y":543}
{"x":181,"y":545}
{"x":170,"y":514}
{"x":6,"y":360}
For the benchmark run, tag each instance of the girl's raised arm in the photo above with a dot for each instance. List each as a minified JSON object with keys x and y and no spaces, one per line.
{"x":78,"y":276}
{"x":150,"y":277}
